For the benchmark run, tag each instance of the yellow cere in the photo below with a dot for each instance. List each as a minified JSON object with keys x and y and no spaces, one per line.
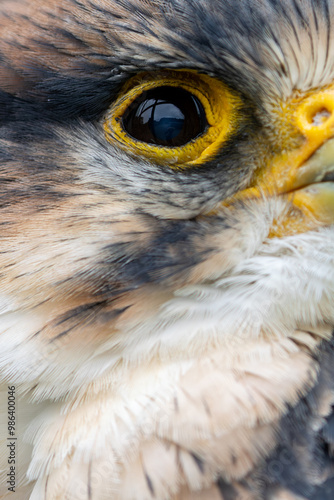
{"x":220,"y":104}
{"x":298,"y":171}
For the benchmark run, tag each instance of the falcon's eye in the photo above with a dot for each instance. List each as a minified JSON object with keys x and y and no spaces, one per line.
{"x":166,"y":116}
{"x":176,"y":118}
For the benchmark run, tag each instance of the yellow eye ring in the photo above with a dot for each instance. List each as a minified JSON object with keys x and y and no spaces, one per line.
{"x":220,"y":104}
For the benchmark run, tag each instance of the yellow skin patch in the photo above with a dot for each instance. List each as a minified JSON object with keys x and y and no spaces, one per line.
{"x":297,"y":172}
{"x":221,"y":108}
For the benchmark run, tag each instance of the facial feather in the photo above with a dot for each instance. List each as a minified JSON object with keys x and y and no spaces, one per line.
{"x":141,"y":320}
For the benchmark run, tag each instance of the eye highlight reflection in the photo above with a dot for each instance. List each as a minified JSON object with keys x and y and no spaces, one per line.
{"x":179,"y":118}
{"x":166,"y":116}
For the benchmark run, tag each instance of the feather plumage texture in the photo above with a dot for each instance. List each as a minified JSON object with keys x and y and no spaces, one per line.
{"x":162,"y":345}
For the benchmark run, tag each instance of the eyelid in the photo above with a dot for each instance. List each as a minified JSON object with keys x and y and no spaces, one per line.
{"x":222,"y":110}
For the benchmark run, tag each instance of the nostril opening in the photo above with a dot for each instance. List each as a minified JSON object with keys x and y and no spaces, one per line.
{"x":316,"y":114}
{"x":320,"y":116}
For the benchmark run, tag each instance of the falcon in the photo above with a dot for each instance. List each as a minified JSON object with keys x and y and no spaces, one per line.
{"x":167,"y":249}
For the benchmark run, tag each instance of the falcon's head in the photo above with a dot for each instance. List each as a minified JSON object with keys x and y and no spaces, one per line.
{"x":167,"y":246}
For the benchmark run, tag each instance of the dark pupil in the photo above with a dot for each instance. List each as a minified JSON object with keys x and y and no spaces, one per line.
{"x":166,"y":116}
